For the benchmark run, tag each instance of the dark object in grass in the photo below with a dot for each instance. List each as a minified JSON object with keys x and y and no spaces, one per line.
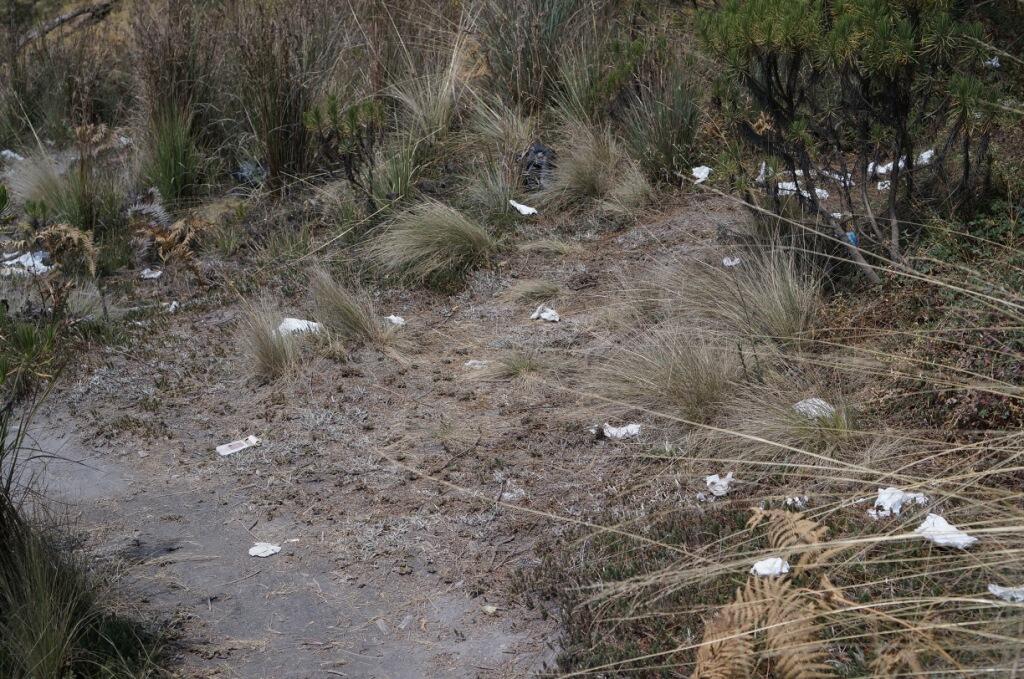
{"x":538,"y":164}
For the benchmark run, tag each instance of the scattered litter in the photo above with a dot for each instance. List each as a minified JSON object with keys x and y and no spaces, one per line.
{"x":788,"y":189}
{"x":524,"y":210}
{"x":545,"y":313}
{"x":172,"y":307}
{"x":837,"y":216}
{"x":944,"y":534}
{"x":150,"y":274}
{"x":264,"y":549}
{"x":842,"y":179}
{"x":701,"y":174}
{"x":885,"y":186}
{"x":815,"y":408}
{"x":798,"y":502}
{"x":396,"y":321}
{"x":621,"y":433}
{"x":475,"y":364}
{"x":852,"y":238}
{"x":291,"y":326}
{"x":730,"y":262}
{"x":925,"y":157}
{"x":718,"y":485}
{"x":771,"y":567}
{"x":993,"y":62}
{"x":890,"y":502}
{"x":822,"y":194}
{"x":231,"y":448}
{"x":11,"y":157}
{"x":30,"y":263}
{"x":762,"y":173}
{"x":489,"y":609}
{"x":1015,"y":595}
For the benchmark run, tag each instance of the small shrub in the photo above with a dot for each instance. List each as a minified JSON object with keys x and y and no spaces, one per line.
{"x":432,"y":243}
{"x":272,"y":354}
{"x":672,"y":372}
{"x":346,"y":314}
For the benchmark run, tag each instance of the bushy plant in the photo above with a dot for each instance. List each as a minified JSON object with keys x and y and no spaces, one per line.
{"x":831,"y":86}
{"x":660,"y":124}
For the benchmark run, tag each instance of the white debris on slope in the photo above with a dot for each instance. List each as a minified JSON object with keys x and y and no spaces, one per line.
{"x":11,"y":157}
{"x":30,"y":263}
{"x":890,"y":502}
{"x":545,"y":313}
{"x":718,"y":485}
{"x":885,"y":186}
{"x":926,"y":157}
{"x":396,"y":321}
{"x":474,"y":364}
{"x":148,"y":274}
{"x":993,"y":62}
{"x":798,"y":502}
{"x":1014,"y":595}
{"x":628,"y":431}
{"x":231,"y":448}
{"x":524,"y":210}
{"x":791,"y":189}
{"x":701,"y":174}
{"x":292,"y":326}
{"x":771,"y":567}
{"x":815,"y":408}
{"x":730,"y":262}
{"x":264,"y":549}
{"x":943,"y":533}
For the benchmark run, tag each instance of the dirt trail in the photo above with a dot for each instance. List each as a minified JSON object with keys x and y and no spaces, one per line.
{"x":383,"y":573}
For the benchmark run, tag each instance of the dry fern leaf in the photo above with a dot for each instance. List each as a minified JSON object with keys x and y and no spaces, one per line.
{"x":66,"y":243}
{"x":791,"y":532}
{"x":792,"y":633}
{"x":727,"y":651}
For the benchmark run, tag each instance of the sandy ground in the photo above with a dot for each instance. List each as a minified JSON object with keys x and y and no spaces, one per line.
{"x":405,"y":493}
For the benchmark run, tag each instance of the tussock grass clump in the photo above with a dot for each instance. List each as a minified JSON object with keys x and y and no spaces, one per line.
{"x":432,"y":243}
{"x":272,"y":353}
{"x":533,"y":290}
{"x":172,"y":161}
{"x":347,"y":314}
{"x":515,"y":365}
{"x":660,"y":126}
{"x":769,"y":297}
{"x":429,"y":101}
{"x":595,"y":168}
{"x":499,"y":129}
{"x":87,"y":196}
{"x":671,"y":371}
{"x":492,"y":186}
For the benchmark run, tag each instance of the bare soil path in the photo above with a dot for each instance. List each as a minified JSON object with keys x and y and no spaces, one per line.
{"x":391,"y":485}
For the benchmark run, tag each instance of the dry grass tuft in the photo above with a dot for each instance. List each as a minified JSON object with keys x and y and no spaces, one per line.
{"x":552,"y":247}
{"x":515,"y":365}
{"x":595,"y":168}
{"x":347,"y":314}
{"x":533,"y":291}
{"x":671,"y":371}
{"x":432,"y":243}
{"x":273,"y":354}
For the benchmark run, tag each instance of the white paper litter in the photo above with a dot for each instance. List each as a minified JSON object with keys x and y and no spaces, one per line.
{"x":788,"y":189}
{"x":396,"y":321}
{"x":628,"y":431}
{"x":815,"y":408}
{"x":524,"y":210}
{"x":771,"y":567}
{"x":798,"y":502}
{"x":843,"y":179}
{"x":264,"y":549}
{"x":701,"y":174}
{"x":890,"y":502}
{"x":172,"y":307}
{"x":1015,"y":595}
{"x":148,"y":274}
{"x":11,"y":157}
{"x":993,"y":62}
{"x":545,"y":313}
{"x":226,"y":449}
{"x":822,"y":194}
{"x":30,"y":263}
{"x":292,"y":326}
{"x":925,"y":157}
{"x":944,"y":534}
{"x":718,"y":485}
{"x":762,"y":173}
{"x":488,"y":609}
{"x":475,"y":364}
{"x":730,"y":262}
{"x":885,"y":186}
